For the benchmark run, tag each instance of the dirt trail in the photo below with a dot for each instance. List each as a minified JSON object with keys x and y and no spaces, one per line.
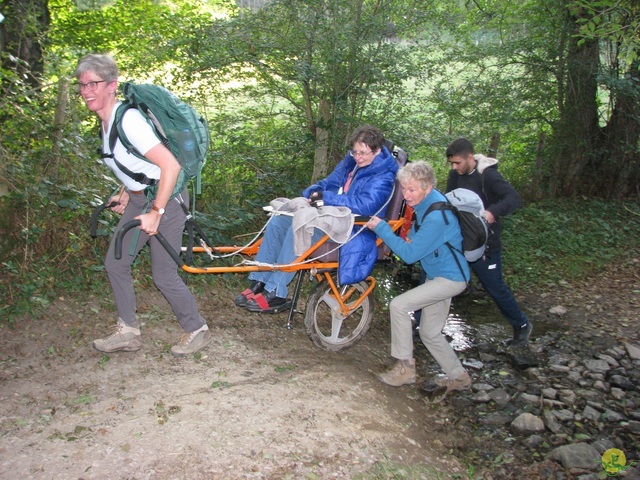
{"x":261,"y":402}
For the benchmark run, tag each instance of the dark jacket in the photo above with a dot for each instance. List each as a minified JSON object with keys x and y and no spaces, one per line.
{"x":369,"y":191}
{"x":496,"y":193}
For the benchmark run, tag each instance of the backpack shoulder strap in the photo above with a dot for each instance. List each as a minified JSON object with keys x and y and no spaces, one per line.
{"x":117,"y":132}
{"x":442,"y":206}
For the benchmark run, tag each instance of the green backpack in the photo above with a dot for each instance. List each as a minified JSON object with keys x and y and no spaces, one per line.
{"x":177,"y":125}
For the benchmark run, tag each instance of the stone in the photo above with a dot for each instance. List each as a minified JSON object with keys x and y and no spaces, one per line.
{"x":612,"y":416}
{"x":481,"y":397}
{"x":634,"y":427}
{"x":591,"y":414}
{"x":495,"y":418}
{"x":527,"y":424}
{"x":528,"y":398}
{"x":622,"y":382}
{"x":600,"y":385}
{"x":568,"y":397}
{"x":617,"y":393}
{"x":633,"y":351}
{"x":564,"y":415}
{"x":602,"y":445}
{"x":613,"y":363}
{"x":533,"y":441}
{"x":482,"y":387}
{"x":549,"y":393}
{"x":558,"y":310}
{"x":551,"y":423}
{"x":500,"y":397}
{"x":473,"y":364}
{"x":576,"y":456}
{"x":597,"y":366}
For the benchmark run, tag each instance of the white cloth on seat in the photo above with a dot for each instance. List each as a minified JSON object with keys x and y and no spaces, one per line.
{"x":336,"y":222}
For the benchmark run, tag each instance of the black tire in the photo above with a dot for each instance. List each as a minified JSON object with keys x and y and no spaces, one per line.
{"x":324,"y":326}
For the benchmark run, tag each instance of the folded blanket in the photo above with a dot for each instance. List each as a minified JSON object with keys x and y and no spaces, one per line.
{"x":336,"y":222}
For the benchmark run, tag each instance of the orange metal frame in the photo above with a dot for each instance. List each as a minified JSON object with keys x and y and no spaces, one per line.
{"x":322,"y":270}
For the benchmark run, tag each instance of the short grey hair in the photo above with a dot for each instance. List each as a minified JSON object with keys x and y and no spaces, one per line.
{"x":102,"y":65}
{"x":422,"y":172}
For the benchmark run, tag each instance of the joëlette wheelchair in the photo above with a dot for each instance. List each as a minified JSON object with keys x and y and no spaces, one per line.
{"x":336,"y":316}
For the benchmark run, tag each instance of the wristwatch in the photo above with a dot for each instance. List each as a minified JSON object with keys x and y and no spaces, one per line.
{"x":159,"y":210}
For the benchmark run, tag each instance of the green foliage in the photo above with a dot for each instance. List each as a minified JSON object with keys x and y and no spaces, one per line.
{"x":615,"y":20}
{"x":347,"y":61}
{"x":567,"y":240}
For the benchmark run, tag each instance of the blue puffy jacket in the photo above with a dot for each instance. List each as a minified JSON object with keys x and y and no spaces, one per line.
{"x":370,"y":189}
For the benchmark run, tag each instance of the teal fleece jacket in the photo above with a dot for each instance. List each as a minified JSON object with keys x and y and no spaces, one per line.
{"x":428,"y":244}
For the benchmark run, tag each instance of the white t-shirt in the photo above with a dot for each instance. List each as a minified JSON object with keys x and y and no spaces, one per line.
{"x":142,"y":137}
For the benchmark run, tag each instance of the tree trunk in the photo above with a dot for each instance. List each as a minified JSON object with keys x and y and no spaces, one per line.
{"x":59,"y":118}
{"x":578,"y":125}
{"x":618,"y":170}
{"x":535,"y":189}
{"x":25,"y":23}
{"x":494,"y":145}
{"x":321,"y":154}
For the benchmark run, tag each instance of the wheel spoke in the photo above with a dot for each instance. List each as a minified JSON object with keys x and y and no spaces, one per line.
{"x":336,"y":324}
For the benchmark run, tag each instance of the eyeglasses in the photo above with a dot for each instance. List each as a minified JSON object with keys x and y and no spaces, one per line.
{"x":360,"y":154}
{"x":91,"y":86}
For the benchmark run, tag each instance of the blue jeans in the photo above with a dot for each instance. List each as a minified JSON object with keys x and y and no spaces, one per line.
{"x":489,"y":272}
{"x":277,"y":248}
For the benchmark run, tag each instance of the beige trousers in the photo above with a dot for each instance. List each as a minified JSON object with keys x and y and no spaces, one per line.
{"x":434,"y":298}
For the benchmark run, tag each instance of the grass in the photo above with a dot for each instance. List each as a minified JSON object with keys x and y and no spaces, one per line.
{"x":567,"y":239}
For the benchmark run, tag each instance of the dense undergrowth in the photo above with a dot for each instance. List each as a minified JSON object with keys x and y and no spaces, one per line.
{"x":51,"y":254}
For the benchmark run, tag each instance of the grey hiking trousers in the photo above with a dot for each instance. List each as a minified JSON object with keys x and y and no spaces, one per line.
{"x":163,"y":268}
{"x":434,"y":298}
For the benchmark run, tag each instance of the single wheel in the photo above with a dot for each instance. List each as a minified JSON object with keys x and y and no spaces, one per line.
{"x":327,"y":327}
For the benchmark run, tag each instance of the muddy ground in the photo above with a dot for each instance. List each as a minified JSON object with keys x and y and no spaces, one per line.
{"x":260,"y":401}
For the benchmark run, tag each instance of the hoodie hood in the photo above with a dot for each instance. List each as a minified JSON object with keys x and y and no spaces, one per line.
{"x":484,"y":162}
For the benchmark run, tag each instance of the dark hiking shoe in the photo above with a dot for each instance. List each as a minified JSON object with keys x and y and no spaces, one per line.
{"x":267,"y":302}
{"x":521,"y":335}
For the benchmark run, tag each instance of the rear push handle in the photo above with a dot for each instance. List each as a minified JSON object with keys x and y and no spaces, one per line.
{"x":117,"y":251}
{"x":96,"y":215}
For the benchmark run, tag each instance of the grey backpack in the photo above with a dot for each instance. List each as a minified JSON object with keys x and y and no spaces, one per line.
{"x":469,"y":209}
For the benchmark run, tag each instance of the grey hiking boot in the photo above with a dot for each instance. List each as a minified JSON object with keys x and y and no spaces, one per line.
{"x":123,"y":339}
{"x":521,"y":335}
{"x":461,"y":382}
{"x":402,"y":373}
{"x":192,"y":342}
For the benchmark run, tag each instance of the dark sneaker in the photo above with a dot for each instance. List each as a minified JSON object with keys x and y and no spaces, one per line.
{"x":242,"y":297}
{"x":521,"y":335}
{"x":402,"y":373}
{"x":267,"y":302}
{"x":123,"y":339}
{"x":192,"y":342}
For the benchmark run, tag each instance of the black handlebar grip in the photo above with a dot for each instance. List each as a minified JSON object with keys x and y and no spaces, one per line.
{"x":120,"y":234}
{"x":96,"y":214}
{"x":117,"y":248}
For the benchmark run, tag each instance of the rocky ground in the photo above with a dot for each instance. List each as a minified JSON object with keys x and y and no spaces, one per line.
{"x":263,"y":402}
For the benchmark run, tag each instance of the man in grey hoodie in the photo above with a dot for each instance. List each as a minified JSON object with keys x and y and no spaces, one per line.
{"x":480,"y":174}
